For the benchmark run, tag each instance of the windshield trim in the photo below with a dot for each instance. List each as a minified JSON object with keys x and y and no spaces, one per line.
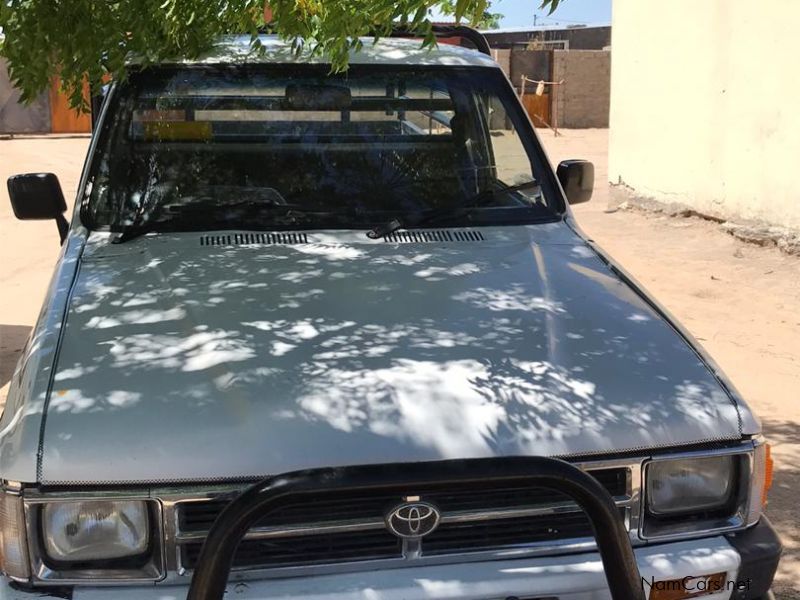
{"x":327,"y":224}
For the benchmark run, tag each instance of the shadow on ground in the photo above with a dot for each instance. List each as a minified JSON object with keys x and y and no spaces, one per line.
{"x":783,"y":511}
{"x":12,"y":339}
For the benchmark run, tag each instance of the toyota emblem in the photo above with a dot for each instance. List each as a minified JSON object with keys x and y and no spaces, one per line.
{"x":412,"y":519}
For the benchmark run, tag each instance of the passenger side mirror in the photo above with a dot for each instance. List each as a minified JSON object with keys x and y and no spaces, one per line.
{"x":38,"y":196}
{"x":577,"y":178}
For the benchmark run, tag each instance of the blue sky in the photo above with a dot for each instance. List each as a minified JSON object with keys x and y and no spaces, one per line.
{"x":519,"y":13}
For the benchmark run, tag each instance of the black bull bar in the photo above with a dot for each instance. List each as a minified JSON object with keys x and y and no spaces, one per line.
{"x":214,"y":563}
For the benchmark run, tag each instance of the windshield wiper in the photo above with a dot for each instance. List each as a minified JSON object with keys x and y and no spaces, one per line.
{"x":138,"y":229}
{"x":479,"y":200}
{"x":210,"y":214}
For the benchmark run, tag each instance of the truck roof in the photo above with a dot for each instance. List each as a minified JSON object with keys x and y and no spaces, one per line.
{"x":387,"y":51}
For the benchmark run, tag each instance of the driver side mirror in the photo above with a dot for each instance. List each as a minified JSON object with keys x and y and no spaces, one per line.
{"x":38,"y":196}
{"x":577,"y":178}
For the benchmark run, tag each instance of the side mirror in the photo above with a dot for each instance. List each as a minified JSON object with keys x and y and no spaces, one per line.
{"x":38,"y":196}
{"x":577,"y":178}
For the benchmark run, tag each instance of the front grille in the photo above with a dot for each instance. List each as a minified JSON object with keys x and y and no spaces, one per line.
{"x":307,"y":550}
{"x":451,"y":538}
{"x":199,"y":516}
{"x":475,"y":517}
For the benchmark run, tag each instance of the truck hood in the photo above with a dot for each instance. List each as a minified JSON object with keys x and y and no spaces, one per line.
{"x":184,"y":360}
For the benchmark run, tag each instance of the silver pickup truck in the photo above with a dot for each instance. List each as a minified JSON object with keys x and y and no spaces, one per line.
{"x":273,"y":267}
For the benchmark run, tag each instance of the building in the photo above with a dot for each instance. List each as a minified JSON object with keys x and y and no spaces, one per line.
{"x":551,"y":37}
{"x":578,"y":56}
{"x":704,"y":100}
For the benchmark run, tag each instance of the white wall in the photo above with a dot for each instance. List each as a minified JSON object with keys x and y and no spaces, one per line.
{"x":705,"y":105}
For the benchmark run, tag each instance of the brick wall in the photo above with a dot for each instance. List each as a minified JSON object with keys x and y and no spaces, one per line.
{"x":583,"y":99}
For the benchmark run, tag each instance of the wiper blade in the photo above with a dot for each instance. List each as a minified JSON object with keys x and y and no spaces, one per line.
{"x":136,"y":230}
{"x":479,"y":200}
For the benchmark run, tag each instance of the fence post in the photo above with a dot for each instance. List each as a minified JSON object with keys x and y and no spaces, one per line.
{"x":555,"y":109}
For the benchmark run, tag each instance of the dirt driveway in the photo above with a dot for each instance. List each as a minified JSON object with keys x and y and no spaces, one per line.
{"x":741,"y":301}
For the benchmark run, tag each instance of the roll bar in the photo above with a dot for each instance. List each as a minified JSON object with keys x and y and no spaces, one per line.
{"x":214,"y":563}
{"x":462,"y":31}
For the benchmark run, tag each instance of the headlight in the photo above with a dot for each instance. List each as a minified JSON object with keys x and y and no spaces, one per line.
{"x":686,"y":496}
{"x":96,"y":530}
{"x":690,"y":484}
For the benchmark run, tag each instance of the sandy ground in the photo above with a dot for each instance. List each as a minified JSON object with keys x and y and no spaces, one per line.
{"x":741,"y":301}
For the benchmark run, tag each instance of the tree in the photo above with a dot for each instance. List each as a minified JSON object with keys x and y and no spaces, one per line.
{"x":485,"y":20}
{"x":90,"y":39}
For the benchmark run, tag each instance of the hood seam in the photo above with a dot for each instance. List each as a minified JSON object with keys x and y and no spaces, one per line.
{"x":643,"y":451}
{"x":684,"y":335}
{"x":56,"y":356}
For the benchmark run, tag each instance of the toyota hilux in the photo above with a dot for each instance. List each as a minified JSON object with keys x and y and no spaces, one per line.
{"x":274,"y":266}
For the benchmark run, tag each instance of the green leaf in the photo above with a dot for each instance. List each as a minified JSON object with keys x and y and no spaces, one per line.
{"x":477,"y":16}
{"x":550,"y":5}
{"x":82,"y":40}
{"x":461,"y":9}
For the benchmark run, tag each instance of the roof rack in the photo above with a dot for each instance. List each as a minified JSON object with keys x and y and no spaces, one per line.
{"x":443,"y":31}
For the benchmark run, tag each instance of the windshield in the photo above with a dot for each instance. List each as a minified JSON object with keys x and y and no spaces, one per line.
{"x":247,"y":147}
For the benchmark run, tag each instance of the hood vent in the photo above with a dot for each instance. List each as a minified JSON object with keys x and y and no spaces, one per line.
{"x":434,"y":235}
{"x":247,"y":239}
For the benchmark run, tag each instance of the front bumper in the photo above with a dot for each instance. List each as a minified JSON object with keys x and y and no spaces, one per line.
{"x":748,"y":558}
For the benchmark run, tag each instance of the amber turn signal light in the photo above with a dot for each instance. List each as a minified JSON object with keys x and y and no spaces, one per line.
{"x":768,"y":465}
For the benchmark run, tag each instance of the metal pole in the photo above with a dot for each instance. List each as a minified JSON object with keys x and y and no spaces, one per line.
{"x":555,"y":109}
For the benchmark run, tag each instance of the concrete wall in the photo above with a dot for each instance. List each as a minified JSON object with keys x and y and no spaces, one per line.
{"x":16,"y":117}
{"x":704,"y":105}
{"x":584,"y":97}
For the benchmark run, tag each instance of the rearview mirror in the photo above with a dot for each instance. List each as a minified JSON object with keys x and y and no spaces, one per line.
{"x":38,"y":196}
{"x":577,"y":178}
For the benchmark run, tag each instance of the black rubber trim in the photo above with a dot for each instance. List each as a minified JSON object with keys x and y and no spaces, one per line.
{"x":760,"y":550}
{"x":42,"y":593}
{"x":57,"y":354}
